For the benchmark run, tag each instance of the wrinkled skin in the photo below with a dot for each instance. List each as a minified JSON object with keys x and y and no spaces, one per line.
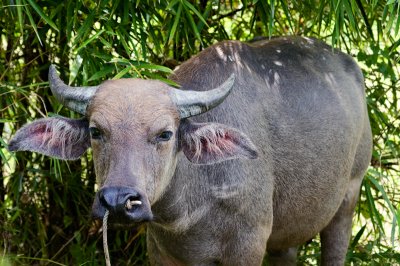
{"x":297,"y":110}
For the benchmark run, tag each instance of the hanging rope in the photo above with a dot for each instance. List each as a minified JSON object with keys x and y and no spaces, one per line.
{"x":128,"y":205}
{"x":105,"y":244}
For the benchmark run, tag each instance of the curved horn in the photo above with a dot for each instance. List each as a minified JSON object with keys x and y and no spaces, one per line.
{"x":74,"y":98}
{"x":191,"y":103}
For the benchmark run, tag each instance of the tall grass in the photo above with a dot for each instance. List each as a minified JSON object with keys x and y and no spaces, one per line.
{"x":45,"y":203}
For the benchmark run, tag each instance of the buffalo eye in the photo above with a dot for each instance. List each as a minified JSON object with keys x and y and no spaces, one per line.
{"x":95,"y":133}
{"x":164,"y":136}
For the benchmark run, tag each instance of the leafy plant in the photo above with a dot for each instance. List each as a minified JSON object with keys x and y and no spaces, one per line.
{"x":45,"y":203}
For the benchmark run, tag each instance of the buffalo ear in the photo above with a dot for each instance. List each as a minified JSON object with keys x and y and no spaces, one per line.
{"x":58,"y":137}
{"x":208,"y":143}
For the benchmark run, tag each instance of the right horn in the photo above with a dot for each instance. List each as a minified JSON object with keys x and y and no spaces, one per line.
{"x":74,"y":98}
{"x":191,"y":103}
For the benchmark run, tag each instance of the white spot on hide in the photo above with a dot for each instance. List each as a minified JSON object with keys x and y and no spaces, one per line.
{"x":225,"y":191}
{"x":309,"y":40}
{"x":277,"y":80}
{"x":221,"y":53}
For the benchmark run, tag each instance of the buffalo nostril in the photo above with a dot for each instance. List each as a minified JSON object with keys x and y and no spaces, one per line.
{"x":118,"y":199}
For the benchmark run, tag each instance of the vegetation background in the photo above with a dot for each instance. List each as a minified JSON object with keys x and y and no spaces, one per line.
{"x":45,"y":203}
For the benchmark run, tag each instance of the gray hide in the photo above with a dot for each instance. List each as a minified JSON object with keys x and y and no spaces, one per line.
{"x":303,"y":106}
{"x":297,"y":109}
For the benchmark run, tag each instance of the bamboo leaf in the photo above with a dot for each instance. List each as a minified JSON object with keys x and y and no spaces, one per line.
{"x":382,"y":191}
{"x":287,"y":14}
{"x":19,"y":13}
{"x":85,"y":28}
{"x":122,"y":73}
{"x":161,"y":78}
{"x":374,"y":214}
{"x":193,"y":25}
{"x":176,"y":22}
{"x":357,"y":238}
{"x":154,"y":67}
{"x":42,"y":14}
{"x":33,"y":24}
{"x":171,"y":4}
{"x":271,"y":17}
{"x":191,"y":7}
{"x":91,"y":39}
{"x":106,"y":70}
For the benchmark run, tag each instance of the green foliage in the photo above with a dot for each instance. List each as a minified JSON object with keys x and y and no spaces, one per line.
{"x":45,"y":203}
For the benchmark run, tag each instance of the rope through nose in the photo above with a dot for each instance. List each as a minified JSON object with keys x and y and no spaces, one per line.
{"x":130,"y":203}
{"x":105,"y":244}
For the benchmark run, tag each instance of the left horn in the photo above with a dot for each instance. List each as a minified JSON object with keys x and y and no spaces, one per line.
{"x":191,"y":103}
{"x":74,"y":98}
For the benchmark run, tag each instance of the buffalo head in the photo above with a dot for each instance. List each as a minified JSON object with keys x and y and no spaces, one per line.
{"x":136,"y":129}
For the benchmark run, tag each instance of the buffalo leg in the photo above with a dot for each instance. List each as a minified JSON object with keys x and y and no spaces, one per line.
{"x":283,"y":257}
{"x":246,"y":248}
{"x":335,"y":237}
{"x":156,"y":258}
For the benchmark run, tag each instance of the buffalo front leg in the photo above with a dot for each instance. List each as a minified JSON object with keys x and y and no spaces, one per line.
{"x":335,"y":237}
{"x":246,"y":248}
{"x":283,"y":257}
{"x":156,"y":257}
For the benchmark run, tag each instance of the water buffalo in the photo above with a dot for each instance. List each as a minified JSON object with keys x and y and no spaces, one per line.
{"x":175,"y":158}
